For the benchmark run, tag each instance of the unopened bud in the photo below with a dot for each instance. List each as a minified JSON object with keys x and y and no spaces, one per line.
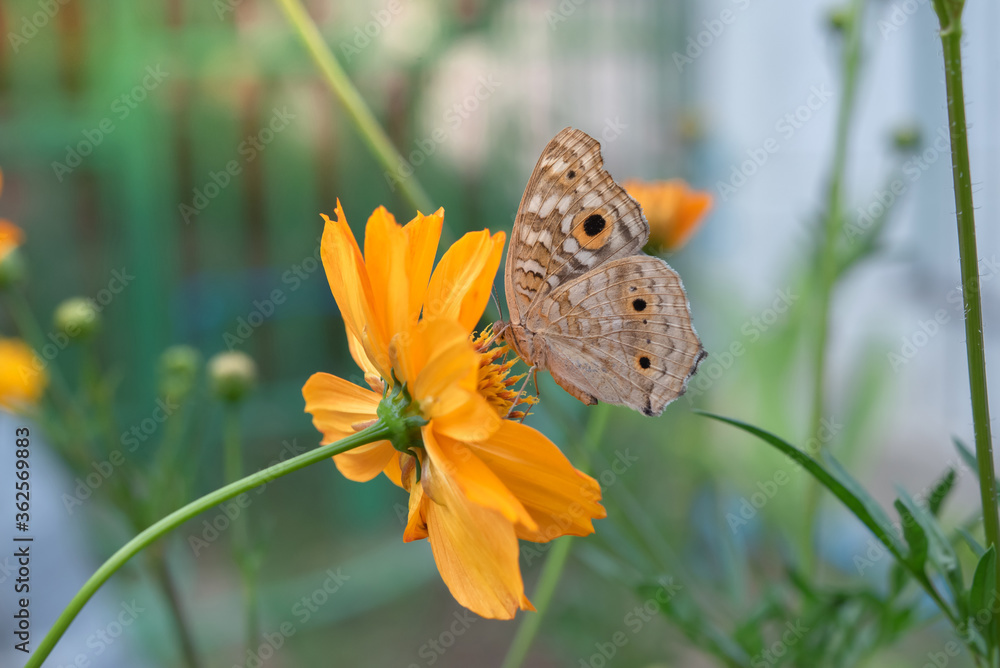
{"x":77,"y":317}
{"x":232,"y":374}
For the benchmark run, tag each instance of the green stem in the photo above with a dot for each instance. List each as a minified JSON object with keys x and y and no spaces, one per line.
{"x":828,"y":253}
{"x":950,"y":16}
{"x":551,"y":574}
{"x":242,"y":549}
{"x":360,"y":114}
{"x":166,"y":582}
{"x":376,"y":432}
{"x":555,"y":562}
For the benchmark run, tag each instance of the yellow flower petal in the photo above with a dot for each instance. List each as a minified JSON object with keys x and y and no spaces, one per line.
{"x":349,"y":282}
{"x":478,"y":483}
{"x":416,"y":521}
{"x":673,"y":209}
{"x":23,"y":378}
{"x":475,"y":549}
{"x":473,"y":421}
{"x":364,"y":362}
{"x":561,"y":499}
{"x":463,"y":279}
{"x":337,"y":406}
{"x":423,"y":234}
{"x":386,"y":260}
{"x":439,"y":365}
{"x":365,"y":463}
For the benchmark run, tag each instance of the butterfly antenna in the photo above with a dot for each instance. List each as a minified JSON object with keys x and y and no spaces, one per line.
{"x":496,"y":300}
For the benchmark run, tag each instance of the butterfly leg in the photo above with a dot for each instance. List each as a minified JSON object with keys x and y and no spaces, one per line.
{"x":517,"y":399}
{"x":499,"y":327}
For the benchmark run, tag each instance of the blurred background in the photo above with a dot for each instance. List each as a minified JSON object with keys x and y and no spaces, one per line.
{"x":170,"y":160}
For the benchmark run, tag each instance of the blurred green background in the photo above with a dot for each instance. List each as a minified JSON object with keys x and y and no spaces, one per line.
{"x":193,"y":145}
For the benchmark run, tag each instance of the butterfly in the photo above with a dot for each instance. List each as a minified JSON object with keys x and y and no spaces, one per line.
{"x":609,"y":322}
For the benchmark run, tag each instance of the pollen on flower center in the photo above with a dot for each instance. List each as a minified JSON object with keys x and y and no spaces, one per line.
{"x":496,"y":384}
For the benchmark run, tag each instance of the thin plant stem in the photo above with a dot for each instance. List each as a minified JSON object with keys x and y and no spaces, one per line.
{"x":950,"y":16}
{"x":364,"y":120}
{"x":827,"y":275}
{"x":542,"y":597}
{"x":377,"y":432}
{"x":555,"y":562}
{"x":242,"y":548}
{"x":166,"y":582}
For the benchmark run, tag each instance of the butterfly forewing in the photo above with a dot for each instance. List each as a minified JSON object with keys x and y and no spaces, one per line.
{"x":573,"y":217}
{"x":608,"y":321}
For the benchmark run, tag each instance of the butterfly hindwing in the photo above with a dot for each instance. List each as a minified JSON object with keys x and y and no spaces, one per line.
{"x":573,"y":217}
{"x":622,"y":334}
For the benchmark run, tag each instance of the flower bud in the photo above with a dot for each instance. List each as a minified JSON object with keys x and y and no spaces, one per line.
{"x":232,"y":375}
{"x":77,"y":317}
{"x":12,"y":269}
{"x":179,"y":367}
{"x":838,"y":19}
{"x":906,"y":138}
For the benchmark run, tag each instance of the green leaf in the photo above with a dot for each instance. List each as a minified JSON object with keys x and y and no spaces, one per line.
{"x":941,"y":490}
{"x":968,"y":456}
{"x":898,"y":577}
{"x":687,"y":616}
{"x":940,"y":551}
{"x":915,"y":536}
{"x":974,"y":544}
{"x":984,"y":582}
{"x":840,"y":483}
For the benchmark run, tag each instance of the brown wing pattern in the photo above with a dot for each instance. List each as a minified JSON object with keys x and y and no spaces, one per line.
{"x":621,"y":334}
{"x":609,"y":322}
{"x":573,"y":217}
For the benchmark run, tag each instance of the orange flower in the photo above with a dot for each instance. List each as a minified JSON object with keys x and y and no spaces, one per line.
{"x":11,"y":237}
{"x":22,"y":377}
{"x":477,"y":482}
{"x":673,"y":209}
